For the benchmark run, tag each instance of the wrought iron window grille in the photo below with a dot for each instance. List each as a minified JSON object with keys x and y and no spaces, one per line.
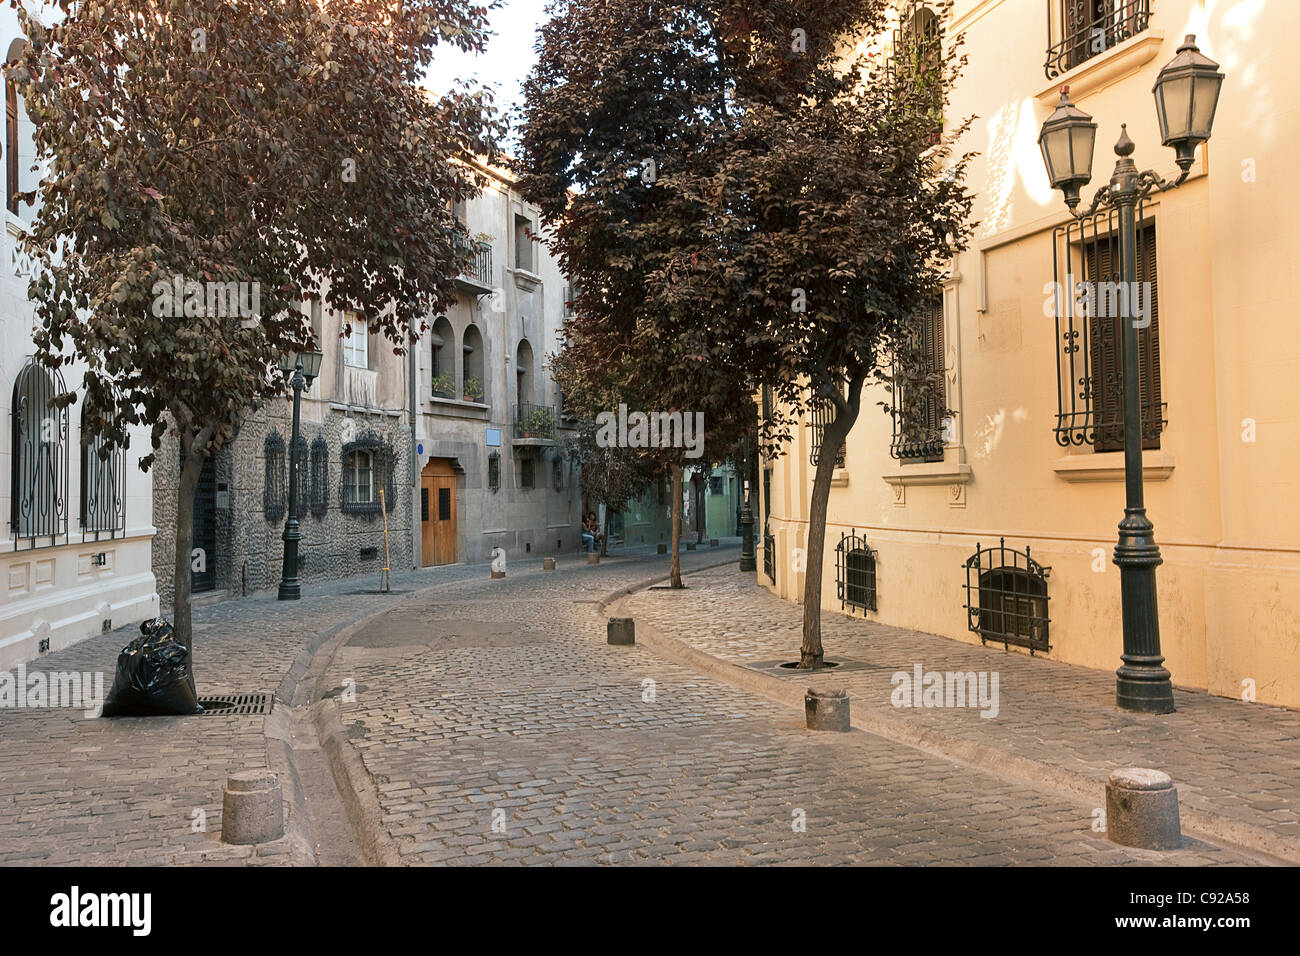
{"x":275,"y":498}
{"x":918,"y":416}
{"x":320,"y":477}
{"x":855,"y":572}
{"x":822,"y":414}
{"x":915,"y":50}
{"x":363,"y":498}
{"x":1089,"y":303}
{"x":494,"y":472}
{"x":38,"y":487}
{"x":103,"y":488}
{"x":1006,"y":597}
{"x":1078,"y":30}
{"x":769,"y":554}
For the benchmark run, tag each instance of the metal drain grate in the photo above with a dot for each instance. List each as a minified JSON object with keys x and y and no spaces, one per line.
{"x":235,"y":704}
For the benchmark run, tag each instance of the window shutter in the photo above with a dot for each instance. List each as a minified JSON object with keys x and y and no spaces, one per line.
{"x":1149,"y":341}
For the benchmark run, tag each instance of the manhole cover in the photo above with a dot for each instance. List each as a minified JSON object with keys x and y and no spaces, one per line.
{"x":235,"y":704}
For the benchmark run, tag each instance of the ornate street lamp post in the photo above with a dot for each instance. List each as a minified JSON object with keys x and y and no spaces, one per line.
{"x":1186,"y":94}
{"x":303,"y":367}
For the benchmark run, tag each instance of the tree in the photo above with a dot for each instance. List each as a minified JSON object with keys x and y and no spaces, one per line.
{"x":194,"y":146}
{"x":802,"y":204}
{"x":611,"y":476}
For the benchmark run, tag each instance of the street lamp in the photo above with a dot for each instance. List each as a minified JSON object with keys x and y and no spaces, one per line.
{"x":303,"y":367}
{"x":1187,"y":94}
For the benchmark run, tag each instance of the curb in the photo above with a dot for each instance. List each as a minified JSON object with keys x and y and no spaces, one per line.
{"x":1203,"y":825}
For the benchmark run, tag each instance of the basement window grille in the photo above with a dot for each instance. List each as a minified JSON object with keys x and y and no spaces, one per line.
{"x":1006,"y":597}
{"x":855,"y":572}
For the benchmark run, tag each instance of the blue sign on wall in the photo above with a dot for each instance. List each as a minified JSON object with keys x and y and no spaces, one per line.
{"x":419,"y":449}
{"x":494,"y":437}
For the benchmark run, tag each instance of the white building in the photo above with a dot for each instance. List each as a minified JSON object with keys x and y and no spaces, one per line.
{"x":75,"y":560}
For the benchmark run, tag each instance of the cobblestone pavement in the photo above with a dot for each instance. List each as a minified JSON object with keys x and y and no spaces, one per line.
{"x":499,"y":727}
{"x":126,"y":790}
{"x":1237,"y":760}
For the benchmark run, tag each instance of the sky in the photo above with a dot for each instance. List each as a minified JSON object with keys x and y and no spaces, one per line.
{"x":507,"y":61}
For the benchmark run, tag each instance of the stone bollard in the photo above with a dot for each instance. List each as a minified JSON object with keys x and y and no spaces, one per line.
{"x":690,"y":545}
{"x":593,"y":558}
{"x":252,"y":808}
{"x":663,"y":549}
{"x":1142,"y":809}
{"x":713,"y":542}
{"x":621,"y":631}
{"x":548,"y":564}
{"x":496,"y":575}
{"x":826,"y":710}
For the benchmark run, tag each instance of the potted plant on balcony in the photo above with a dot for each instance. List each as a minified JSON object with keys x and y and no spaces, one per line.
{"x":444,"y":385}
{"x":473,"y":390}
{"x":537,"y":423}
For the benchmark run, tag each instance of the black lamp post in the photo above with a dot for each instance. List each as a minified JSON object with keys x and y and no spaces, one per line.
{"x":1186,"y":93}
{"x":303,"y":366}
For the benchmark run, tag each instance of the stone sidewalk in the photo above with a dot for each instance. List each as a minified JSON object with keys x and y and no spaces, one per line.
{"x":142,"y":791}
{"x":1236,"y":765}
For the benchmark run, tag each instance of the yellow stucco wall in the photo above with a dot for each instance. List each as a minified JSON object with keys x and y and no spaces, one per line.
{"x":1226,"y":510}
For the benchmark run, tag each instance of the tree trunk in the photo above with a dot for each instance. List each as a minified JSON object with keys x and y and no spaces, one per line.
{"x":189,"y":482}
{"x":675,"y":563}
{"x":810,"y":654}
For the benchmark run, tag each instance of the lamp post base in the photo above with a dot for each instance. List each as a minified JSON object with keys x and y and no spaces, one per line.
{"x":1144,"y":689}
{"x":290,"y":591}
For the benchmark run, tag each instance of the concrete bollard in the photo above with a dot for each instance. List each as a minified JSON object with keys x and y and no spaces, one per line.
{"x":620,"y":631}
{"x":826,"y":710}
{"x":663,"y":549}
{"x":593,"y":558}
{"x":548,"y":564}
{"x":713,"y":542}
{"x":252,"y":808}
{"x":496,"y":575}
{"x":1142,"y":809}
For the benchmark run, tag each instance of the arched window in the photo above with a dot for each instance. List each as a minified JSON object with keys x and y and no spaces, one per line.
{"x":524,"y":373}
{"x":38,"y":511}
{"x":442,"y":365}
{"x":320,"y":476}
{"x":474,"y":385}
{"x":12,"y":112}
{"x":1006,"y":597}
{"x":274,"y":496}
{"x":103,"y":487}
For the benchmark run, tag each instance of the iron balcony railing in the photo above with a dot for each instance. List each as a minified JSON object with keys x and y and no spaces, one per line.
{"x":1078,"y":30}
{"x":534,"y":421}
{"x":479,"y":268}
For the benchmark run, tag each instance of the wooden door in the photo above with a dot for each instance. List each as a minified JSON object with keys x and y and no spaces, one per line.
{"x":438,"y":513}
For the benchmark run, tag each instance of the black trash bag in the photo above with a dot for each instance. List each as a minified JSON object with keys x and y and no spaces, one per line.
{"x":155,"y":676}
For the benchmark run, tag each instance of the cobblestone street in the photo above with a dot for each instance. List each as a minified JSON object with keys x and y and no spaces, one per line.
{"x":499,"y":727}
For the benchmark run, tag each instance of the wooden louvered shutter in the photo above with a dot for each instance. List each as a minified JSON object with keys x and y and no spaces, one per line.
{"x":1149,"y":340}
{"x":11,"y":145}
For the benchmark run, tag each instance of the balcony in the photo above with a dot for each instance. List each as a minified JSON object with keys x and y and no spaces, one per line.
{"x":1079,"y":30}
{"x":476,"y":276}
{"x":534,"y":424}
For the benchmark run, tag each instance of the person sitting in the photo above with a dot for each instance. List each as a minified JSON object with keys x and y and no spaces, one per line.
{"x":589,"y":532}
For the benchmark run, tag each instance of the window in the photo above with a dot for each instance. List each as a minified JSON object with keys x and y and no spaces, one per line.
{"x":355,"y":341}
{"x":557,"y":474}
{"x":103,"y":486}
{"x":274,"y":496}
{"x":523,"y":243}
{"x":918,"y":407}
{"x":524,"y":373}
{"x":526,"y":470}
{"x":11,"y":145}
{"x":320,"y":477}
{"x":442,"y":367}
{"x":367,"y":470}
{"x":1006,"y":597}
{"x":855,"y":573}
{"x":769,"y":541}
{"x":822,"y":414}
{"x":38,"y":460}
{"x":494,"y":472}
{"x":1089,"y":304}
{"x":715,"y":484}
{"x":1080,"y":29}
{"x":472,"y":365}
{"x":913,"y":61}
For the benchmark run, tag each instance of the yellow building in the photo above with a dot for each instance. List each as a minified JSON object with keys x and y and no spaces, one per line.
{"x":1030,"y":453}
